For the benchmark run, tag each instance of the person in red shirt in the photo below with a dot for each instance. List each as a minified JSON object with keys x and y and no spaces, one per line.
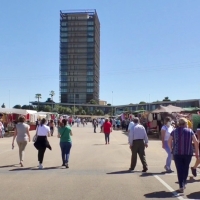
{"x":107,"y":129}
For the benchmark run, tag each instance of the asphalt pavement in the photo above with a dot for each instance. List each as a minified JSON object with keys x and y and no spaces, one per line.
{"x":96,"y":171}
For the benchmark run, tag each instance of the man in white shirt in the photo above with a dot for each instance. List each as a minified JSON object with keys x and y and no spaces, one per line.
{"x":129,"y":127}
{"x":138,"y":140}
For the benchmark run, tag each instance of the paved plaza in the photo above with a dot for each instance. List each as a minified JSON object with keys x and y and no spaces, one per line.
{"x":97,"y":171}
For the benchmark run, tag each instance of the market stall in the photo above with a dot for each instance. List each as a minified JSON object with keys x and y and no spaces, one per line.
{"x":10,"y":117}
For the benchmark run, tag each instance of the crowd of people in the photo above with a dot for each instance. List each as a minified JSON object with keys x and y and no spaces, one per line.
{"x":44,"y":130}
{"x":179,"y":141}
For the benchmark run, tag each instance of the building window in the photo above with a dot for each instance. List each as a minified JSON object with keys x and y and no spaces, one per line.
{"x":90,"y":90}
{"x":63,"y":39}
{"x":63,"y":90}
{"x":63,"y":23}
{"x":90,"y":78}
{"x":63,"y":29}
{"x":90,"y":44}
{"x":90,"y":23}
{"x":90,"y":34}
{"x":90,"y":61}
{"x":63,"y":84}
{"x":89,"y":66}
{"x":90,"y":84}
{"x":90,"y":73}
{"x":90,"y":39}
{"x":90,"y":28}
{"x":63,"y":34}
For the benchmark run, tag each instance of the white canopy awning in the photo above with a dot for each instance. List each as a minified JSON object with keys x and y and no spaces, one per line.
{"x":17,"y":111}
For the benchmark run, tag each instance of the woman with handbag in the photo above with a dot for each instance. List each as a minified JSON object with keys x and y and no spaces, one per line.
{"x":23,"y":136}
{"x":41,"y":143}
{"x":65,"y":133}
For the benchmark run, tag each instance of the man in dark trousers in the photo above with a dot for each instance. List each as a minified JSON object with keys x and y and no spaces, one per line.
{"x":138,"y":140}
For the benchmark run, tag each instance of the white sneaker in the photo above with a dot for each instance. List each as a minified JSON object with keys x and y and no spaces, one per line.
{"x":41,"y":166}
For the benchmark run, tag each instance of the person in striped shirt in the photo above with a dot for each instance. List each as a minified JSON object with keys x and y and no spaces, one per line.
{"x":180,"y":144}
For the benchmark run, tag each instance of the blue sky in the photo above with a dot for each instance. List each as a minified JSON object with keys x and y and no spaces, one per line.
{"x":149,"y":49}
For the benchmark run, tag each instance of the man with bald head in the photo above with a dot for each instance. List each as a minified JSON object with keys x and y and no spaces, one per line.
{"x":138,"y":140}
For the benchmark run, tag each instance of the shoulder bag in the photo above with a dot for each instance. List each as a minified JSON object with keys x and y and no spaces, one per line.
{"x":36,"y":135}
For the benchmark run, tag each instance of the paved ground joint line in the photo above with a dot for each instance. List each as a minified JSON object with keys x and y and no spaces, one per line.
{"x":171,"y":189}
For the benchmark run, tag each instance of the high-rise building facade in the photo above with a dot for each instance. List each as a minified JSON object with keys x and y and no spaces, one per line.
{"x":79,"y":56}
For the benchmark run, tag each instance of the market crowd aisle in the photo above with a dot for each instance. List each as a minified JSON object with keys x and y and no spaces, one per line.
{"x":94,"y":167}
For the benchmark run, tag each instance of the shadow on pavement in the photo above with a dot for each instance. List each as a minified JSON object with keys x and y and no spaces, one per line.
{"x":194,"y":195}
{"x":145,"y":174}
{"x":5,"y":166}
{"x":33,"y":168}
{"x":160,"y":194}
{"x":191,"y":180}
{"x":48,"y":168}
{"x":122,"y":172}
{"x":21,"y":169}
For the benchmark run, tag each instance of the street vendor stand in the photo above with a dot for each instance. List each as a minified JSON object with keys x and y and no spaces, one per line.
{"x":157,"y":116}
{"x":10,"y":117}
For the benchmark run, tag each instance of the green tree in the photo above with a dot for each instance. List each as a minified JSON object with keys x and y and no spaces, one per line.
{"x":17,"y":106}
{"x":92,"y":101}
{"x":83,"y":112}
{"x":142,"y":102}
{"x":166,"y":99}
{"x":74,"y":110}
{"x":25,"y":107}
{"x":47,"y":108}
{"x":126,"y":109}
{"x":108,"y":104}
{"x":52,"y":94}
{"x":101,"y":113}
{"x":38,"y":97}
{"x":68,"y":111}
{"x":142,"y":108}
{"x":3,"y":105}
{"x":86,"y":110}
{"x":80,"y":109}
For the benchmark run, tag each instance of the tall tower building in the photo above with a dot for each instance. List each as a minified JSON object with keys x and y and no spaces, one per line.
{"x":79,"y":56}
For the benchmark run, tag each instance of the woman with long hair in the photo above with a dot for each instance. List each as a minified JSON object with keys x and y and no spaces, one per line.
{"x":65,"y":133}
{"x":180,"y":144}
{"x":23,"y":136}
{"x":41,"y":143}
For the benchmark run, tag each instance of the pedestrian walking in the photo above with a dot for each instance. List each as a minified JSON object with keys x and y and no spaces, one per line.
{"x":94,"y":125}
{"x":138,"y":140}
{"x":180,"y":143}
{"x":129,"y":127}
{"x":1,"y":126}
{"x":107,"y":129}
{"x":41,"y":143}
{"x":165,"y":134}
{"x":65,"y":133}
{"x":52,"y":127}
{"x":197,"y":162}
{"x":23,"y":136}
